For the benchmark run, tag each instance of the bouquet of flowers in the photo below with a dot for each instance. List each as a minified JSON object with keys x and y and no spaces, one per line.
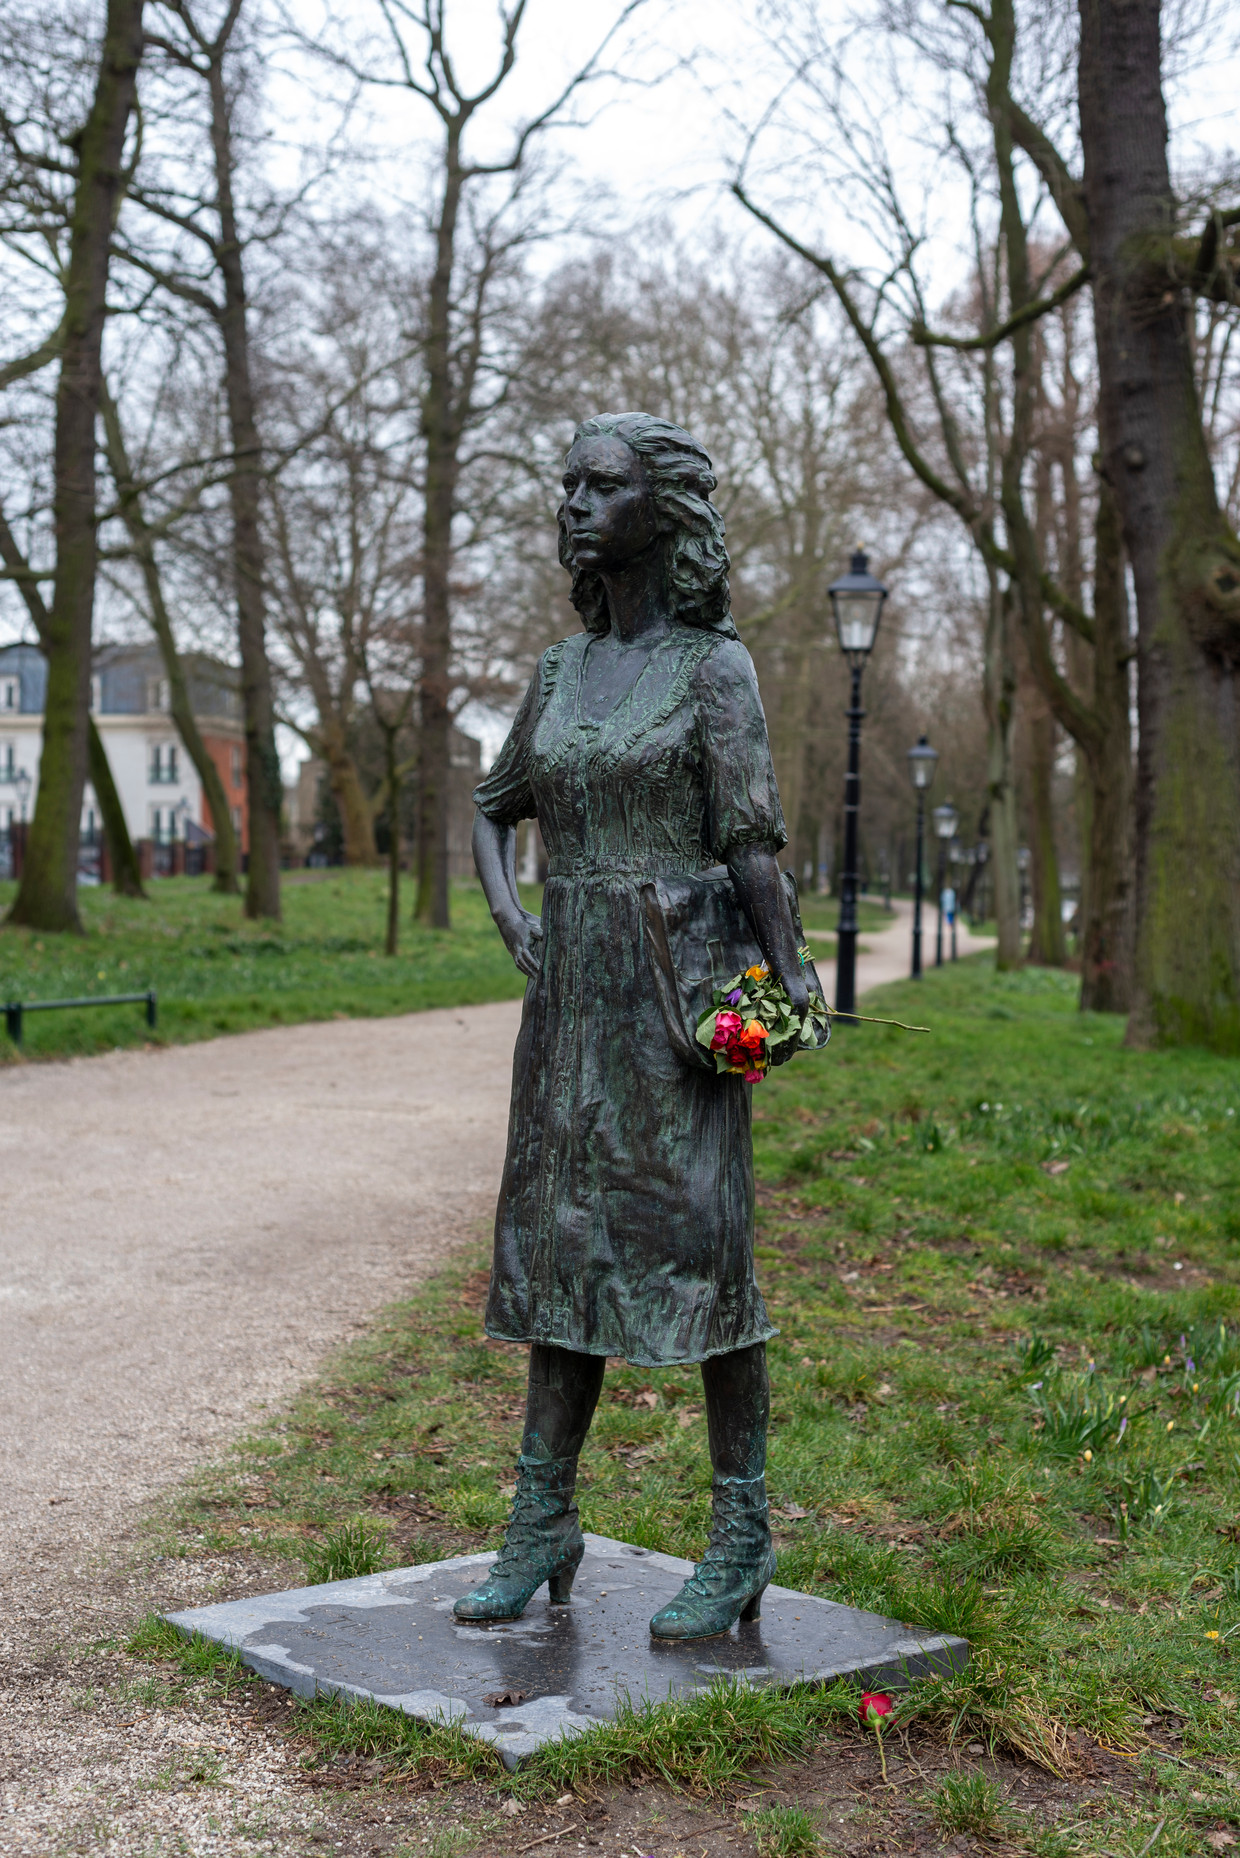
{"x":751,"y":1016}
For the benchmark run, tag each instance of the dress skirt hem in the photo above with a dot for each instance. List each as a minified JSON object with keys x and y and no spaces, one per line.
{"x":633,"y":1361}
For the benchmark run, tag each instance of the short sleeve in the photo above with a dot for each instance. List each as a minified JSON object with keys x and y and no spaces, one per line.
{"x":742,"y":799}
{"x":506,"y":795}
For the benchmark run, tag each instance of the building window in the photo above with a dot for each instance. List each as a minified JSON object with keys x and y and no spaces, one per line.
{"x":157,"y":694}
{"x":236,"y":767}
{"x":163,"y":769}
{"x":236,"y":818}
{"x":96,"y":693}
{"x":10,"y":693}
{"x":8,"y":761}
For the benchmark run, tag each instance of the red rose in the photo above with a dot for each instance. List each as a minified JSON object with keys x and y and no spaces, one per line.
{"x":874,"y":1706}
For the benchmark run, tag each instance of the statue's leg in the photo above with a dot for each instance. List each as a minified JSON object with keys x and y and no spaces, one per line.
{"x":729,"y":1581}
{"x":543,"y":1541}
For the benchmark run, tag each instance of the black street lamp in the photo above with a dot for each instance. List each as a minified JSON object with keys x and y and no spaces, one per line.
{"x":946,"y":819}
{"x":955,"y":856}
{"x":922,"y":760}
{"x":857,"y":603}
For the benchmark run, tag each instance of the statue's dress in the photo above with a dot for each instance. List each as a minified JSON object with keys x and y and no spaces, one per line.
{"x":625,"y":1220}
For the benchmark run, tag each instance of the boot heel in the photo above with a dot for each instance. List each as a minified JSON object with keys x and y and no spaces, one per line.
{"x":752,"y":1609}
{"x":560,"y":1586}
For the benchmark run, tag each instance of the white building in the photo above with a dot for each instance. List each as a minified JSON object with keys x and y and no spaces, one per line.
{"x":159,"y":788}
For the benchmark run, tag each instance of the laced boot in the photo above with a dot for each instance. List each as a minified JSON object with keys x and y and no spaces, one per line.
{"x":543,"y":1543}
{"x":728,"y":1582}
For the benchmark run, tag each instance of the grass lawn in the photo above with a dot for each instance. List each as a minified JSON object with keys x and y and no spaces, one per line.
{"x":214,"y":972}
{"x":1004,"y":1263}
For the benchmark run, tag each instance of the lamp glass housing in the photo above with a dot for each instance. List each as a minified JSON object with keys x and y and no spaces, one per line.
{"x":857,"y":603}
{"x":23,"y":784}
{"x":946,"y":819}
{"x":922,"y":761}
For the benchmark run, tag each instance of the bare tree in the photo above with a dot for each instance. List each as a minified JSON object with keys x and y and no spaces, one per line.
{"x":210,"y":220}
{"x":142,"y":541}
{"x":472,"y":233}
{"x":123,"y":858}
{"x":346,"y":509}
{"x":1015,"y":293}
{"x":88,"y":167}
{"x":1185,"y":555}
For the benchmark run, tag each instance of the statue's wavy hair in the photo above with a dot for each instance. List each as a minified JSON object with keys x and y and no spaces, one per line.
{"x":681,"y":480}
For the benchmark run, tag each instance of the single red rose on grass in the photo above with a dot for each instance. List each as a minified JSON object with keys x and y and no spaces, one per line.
{"x":875,"y":1704}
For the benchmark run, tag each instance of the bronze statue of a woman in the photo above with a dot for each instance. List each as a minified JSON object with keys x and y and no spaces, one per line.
{"x":625,"y":1221}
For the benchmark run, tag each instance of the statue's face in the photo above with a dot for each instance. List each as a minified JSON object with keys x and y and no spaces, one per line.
{"x":608,"y":510}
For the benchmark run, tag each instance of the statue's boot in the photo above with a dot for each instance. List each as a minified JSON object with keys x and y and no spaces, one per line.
{"x":543,"y":1541}
{"x":729,"y":1581}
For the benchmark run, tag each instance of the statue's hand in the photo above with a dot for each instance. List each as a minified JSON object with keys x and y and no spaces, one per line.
{"x":798,"y":993}
{"x":522,"y":935}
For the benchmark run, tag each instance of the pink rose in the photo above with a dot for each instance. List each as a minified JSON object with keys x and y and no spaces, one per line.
{"x":727,"y":1025}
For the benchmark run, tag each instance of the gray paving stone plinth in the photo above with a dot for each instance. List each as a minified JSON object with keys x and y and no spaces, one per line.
{"x":393,"y":1637}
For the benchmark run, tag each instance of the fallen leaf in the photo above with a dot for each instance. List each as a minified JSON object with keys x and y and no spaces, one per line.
{"x":1219,"y":1841}
{"x":501,"y":1699}
{"x":687,"y":1415}
{"x":511,"y":1808}
{"x":1055,"y":1167}
{"x":792,"y":1511}
{"x":648,"y":1399}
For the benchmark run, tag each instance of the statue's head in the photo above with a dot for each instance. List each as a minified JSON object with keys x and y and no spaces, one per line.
{"x":639,"y":480}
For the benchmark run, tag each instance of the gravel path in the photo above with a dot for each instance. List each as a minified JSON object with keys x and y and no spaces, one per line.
{"x":186,"y":1231}
{"x":185,"y":1234}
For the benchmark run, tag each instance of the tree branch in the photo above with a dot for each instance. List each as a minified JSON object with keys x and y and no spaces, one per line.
{"x":1065,"y":190}
{"x":1030,"y":313}
{"x":38,"y":358}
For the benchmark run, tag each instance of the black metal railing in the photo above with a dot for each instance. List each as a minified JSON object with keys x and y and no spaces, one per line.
{"x":16,"y":1010}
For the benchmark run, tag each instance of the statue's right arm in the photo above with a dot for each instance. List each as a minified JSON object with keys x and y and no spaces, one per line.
{"x":495,"y":860}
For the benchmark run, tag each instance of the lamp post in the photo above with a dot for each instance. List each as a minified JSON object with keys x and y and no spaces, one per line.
{"x":922,"y":760}
{"x":857,"y":604}
{"x":954,"y":858}
{"x":946,"y":820}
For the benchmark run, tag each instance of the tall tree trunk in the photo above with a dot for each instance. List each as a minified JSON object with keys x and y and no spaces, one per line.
{"x":1185,"y":560}
{"x":1000,"y":695}
{"x":441,"y":425}
{"x":47,"y":896}
{"x":225,"y":879}
{"x":265,"y":790}
{"x":1047,"y":947}
{"x":392,"y":938}
{"x":357,"y":823}
{"x":1107,"y":912}
{"x":1047,"y":943}
{"x":126,"y":873}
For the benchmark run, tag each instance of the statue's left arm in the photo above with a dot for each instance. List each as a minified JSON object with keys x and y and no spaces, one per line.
{"x":760,"y":888}
{"x":745,"y":823}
